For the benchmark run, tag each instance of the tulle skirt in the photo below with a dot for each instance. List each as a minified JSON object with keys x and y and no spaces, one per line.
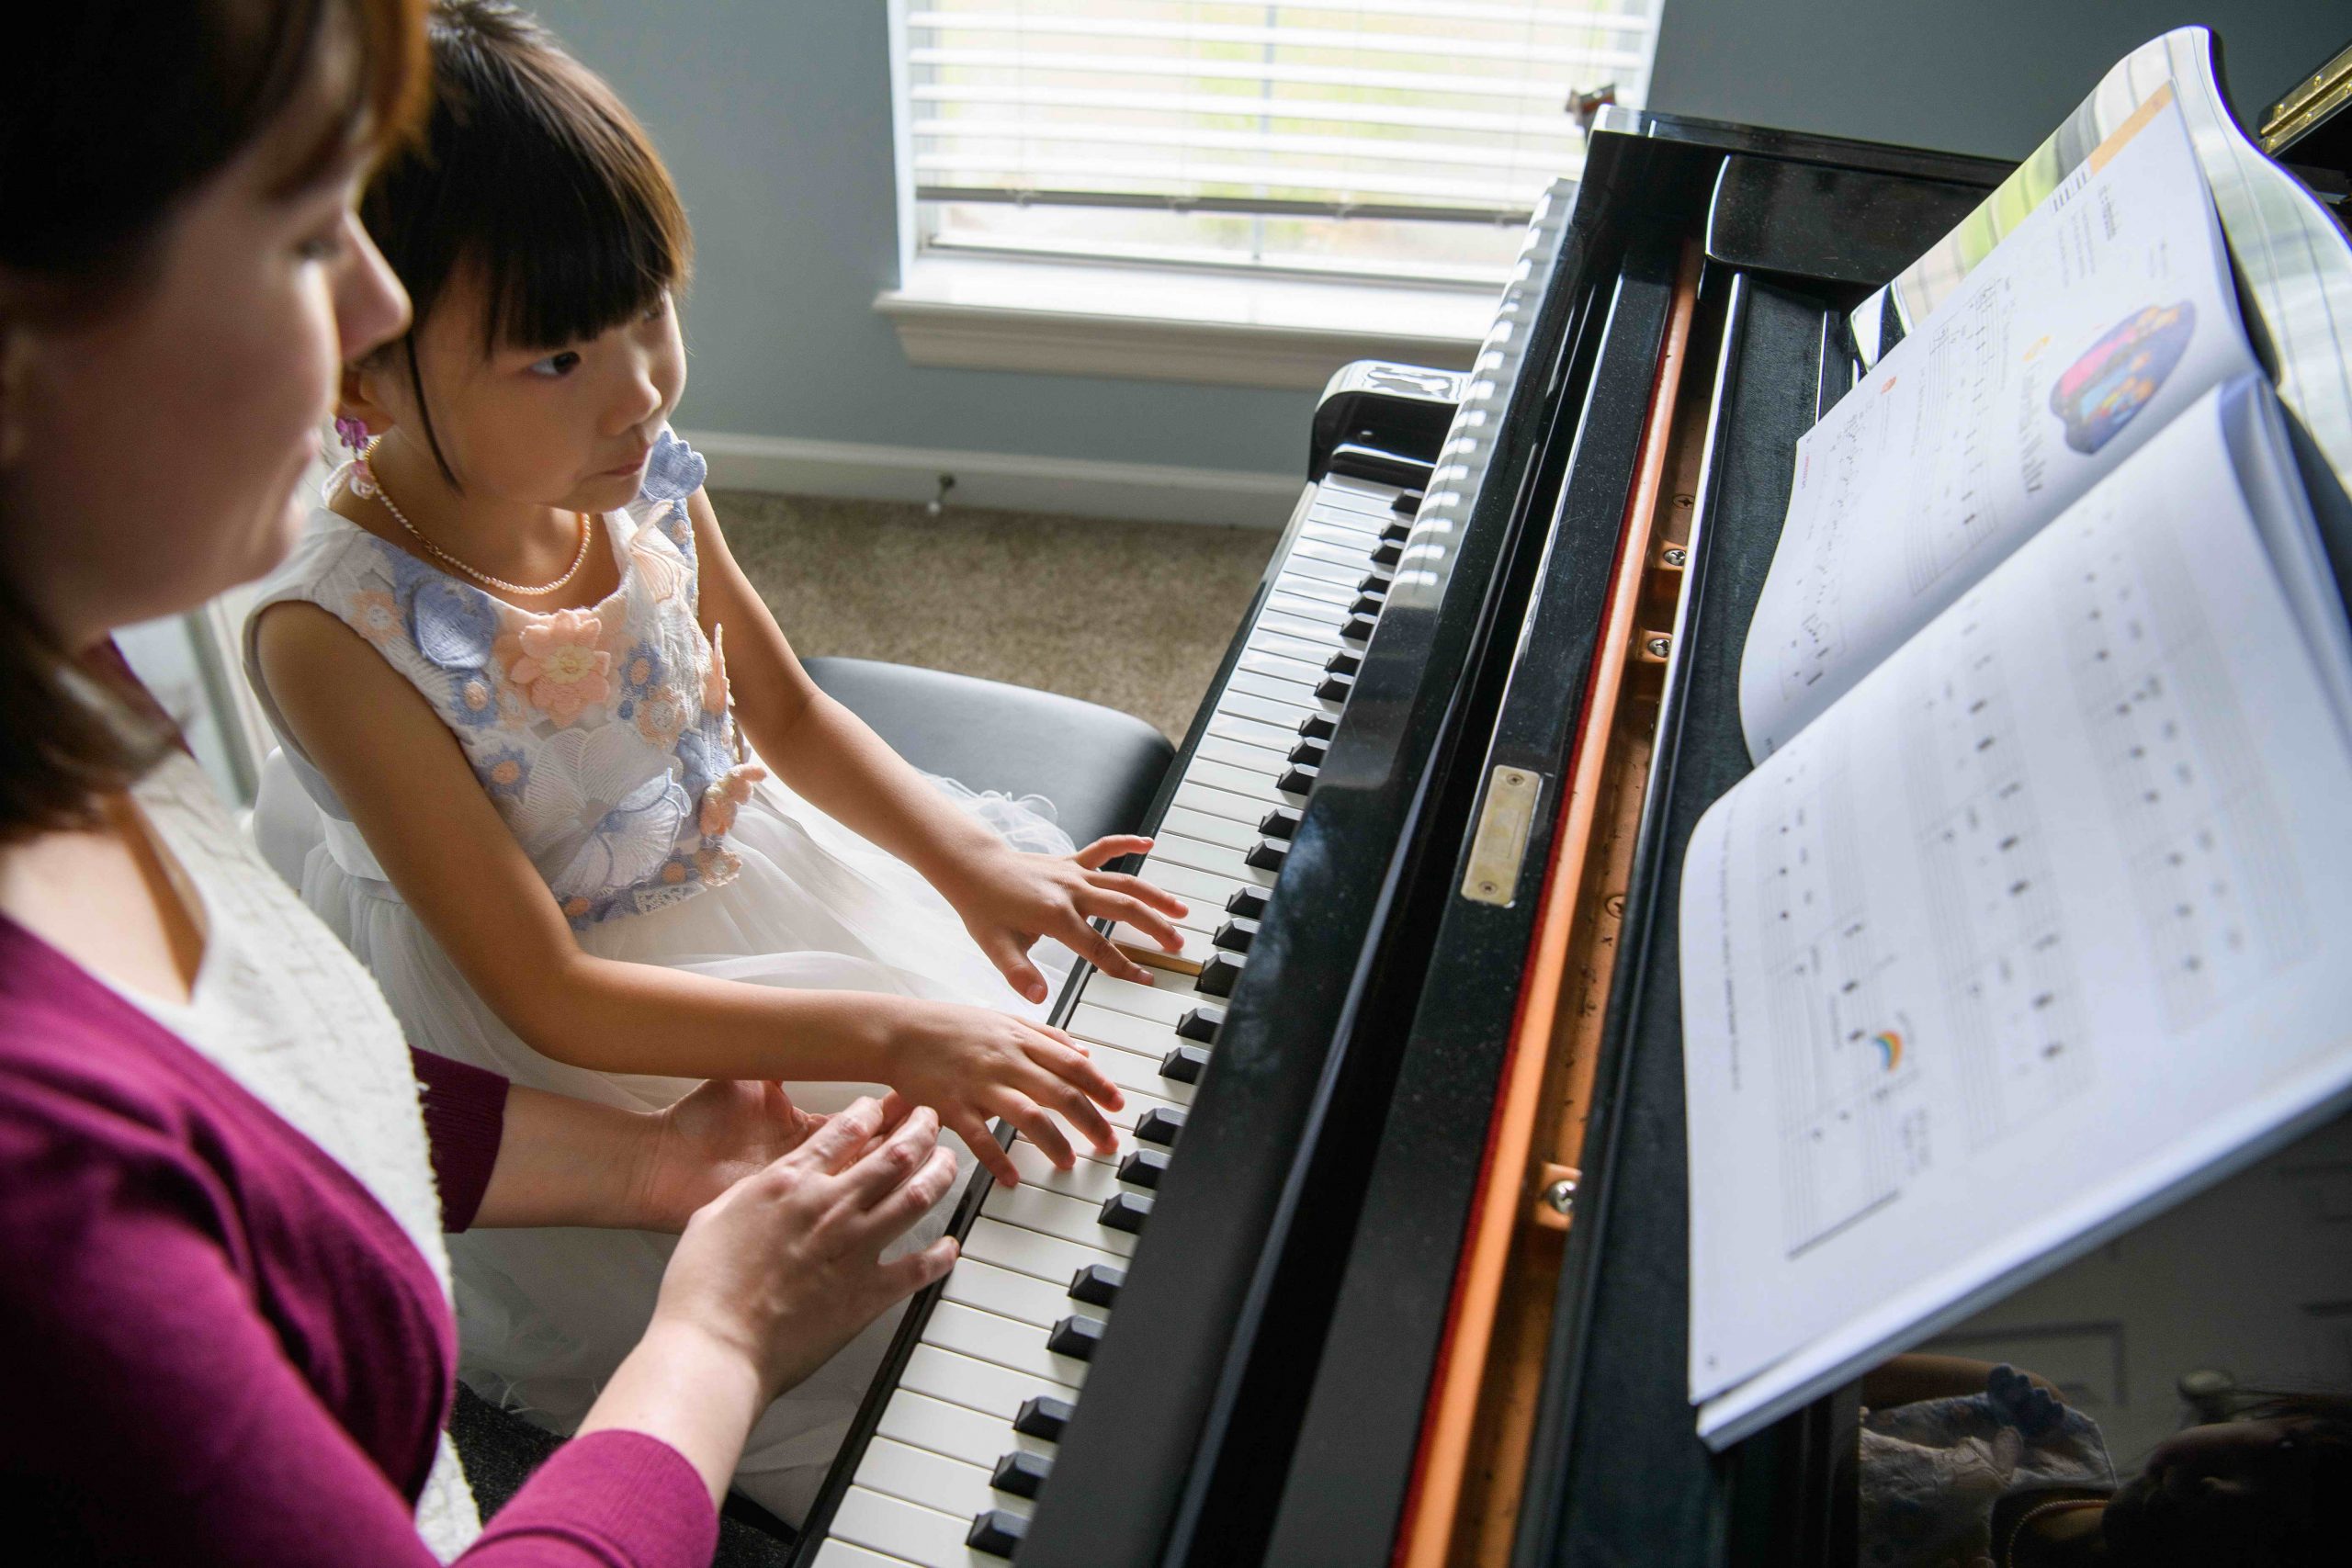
{"x":545,"y":1315}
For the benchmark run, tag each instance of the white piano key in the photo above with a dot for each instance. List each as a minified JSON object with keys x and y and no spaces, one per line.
{"x":1255,"y":783}
{"x":1256,"y":733}
{"x":934,"y":1480}
{"x":1165,"y":998}
{"x":1027,"y":1251}
{"x":1300,"y":568}
{"x":1264,"y":761}
{"x":1268,"y":711}
{"x":1204,"y":892}
{"x":1089,"y":1181}
{"x":1050,"y":1213}
{"x":1201,"y":854}
{"x":956,"y":1430}
{"x":1145,"y":949}
{"x":1138,"y":1074}
{"x":984,"y":1287}
{"x":1327,"y":609}
{"x":1332,"y":589}
{"x":1211,"y":801}
{"x":1299,"y":697}
{"x":1279,"y":667}
{"x":987,"y":1337}
{"x":1342,"y":524}
{"x":1352,"y":558}
{"x":1348,"y":488}
{"x":1125,"y":1034}
{"x":906,"y":1529}
{"x":996,"y":1392}
{"x":1315,"y":620}
{"x":833,"y":1553}
{"x":1184,"y":822}
{"x":1317,"y":652}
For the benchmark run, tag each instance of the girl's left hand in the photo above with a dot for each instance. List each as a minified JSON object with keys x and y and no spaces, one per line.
{"x":706,"y":1142}
{"x":1010,"y":899}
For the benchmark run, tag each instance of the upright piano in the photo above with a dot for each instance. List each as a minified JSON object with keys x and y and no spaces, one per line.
{"x":1390,"y":1265}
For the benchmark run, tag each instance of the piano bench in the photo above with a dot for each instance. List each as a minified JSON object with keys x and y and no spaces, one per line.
{"x":1100,"y":767}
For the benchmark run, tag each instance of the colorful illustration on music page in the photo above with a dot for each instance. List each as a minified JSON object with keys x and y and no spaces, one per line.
{"x":1889,"y":1042}
{"x":2117,"y":375}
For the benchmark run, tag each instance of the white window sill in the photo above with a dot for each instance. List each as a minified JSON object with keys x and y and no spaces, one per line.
{"x":1170,"y":325}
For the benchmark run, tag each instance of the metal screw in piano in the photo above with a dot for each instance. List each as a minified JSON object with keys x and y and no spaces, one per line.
{"x":1561,"y":1195}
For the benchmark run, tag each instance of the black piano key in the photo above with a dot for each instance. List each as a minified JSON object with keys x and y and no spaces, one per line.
{"x":1076,"y":1336}
{"x":1282,"y":822}
{"x":1317,"y":726}
{"x":1217,"y":975}
{"x":1344,"y":662}
{"x":1389,"y":553}
{"x":996,"y":1532}
{"x":1399,"y":531}
{"x":1248,"y":902}
{"x":1360,"y":459}
{"x":1020,"y":1472}
{"x":1233,"y":935}
{"x":1409,"y":503}
{"x":1365,"y":605}
{"x":1266,"y":854}
{"x":1309,"y":753}
{"x":1043,"y":1416}
{"x":1142,"y":1167}
{"x":1097,"y":1284}
{"x":1360,"y":625}
{"x":1375,"y":583}
{"x":1126,"y":1211}
{"x":1159,"y":1125}
{"x":1200,"y":1024}
{"x":1335,"y":688}
{"x":1297,"y":780}
{"x":1183,"y":1063}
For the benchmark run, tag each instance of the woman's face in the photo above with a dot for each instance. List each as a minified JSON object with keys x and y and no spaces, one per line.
{"x":154,"y":447}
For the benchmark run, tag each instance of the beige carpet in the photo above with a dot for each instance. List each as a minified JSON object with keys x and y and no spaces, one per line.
{"x":1134,"y":615}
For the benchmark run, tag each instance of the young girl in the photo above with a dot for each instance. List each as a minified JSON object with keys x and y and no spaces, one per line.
{"x":567,"y":847}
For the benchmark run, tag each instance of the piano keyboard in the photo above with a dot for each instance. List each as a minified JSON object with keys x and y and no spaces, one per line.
{"x":968,"y":1435}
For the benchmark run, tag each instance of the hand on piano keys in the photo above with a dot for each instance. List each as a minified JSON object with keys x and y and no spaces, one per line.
{"x":969,"y":1432}
{"x":973,"y":1064}
{"x":1009,"y":899}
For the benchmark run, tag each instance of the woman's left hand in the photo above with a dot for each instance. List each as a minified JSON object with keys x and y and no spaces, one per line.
{"x":1009,"y":899}
{"x":705,"y":1143}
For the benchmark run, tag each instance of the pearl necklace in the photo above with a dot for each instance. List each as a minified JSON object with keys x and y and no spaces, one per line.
{"x":366,"y":485}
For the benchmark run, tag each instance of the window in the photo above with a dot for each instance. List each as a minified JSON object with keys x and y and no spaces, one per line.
{"x":1403,"y":140}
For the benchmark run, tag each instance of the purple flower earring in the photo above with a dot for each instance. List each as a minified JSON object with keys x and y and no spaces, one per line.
{"x":353,"y":435}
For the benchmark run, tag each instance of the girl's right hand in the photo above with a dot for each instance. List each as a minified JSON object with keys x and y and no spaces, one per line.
{"x":971,"y":1064}
{"x":784,"y":1267}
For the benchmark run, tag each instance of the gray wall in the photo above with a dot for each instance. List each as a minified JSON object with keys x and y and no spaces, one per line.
{"x":775,"y":117}
{"x":1985,"y":76}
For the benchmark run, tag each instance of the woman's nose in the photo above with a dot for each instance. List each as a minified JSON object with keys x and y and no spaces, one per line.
{"x":370,"y":307}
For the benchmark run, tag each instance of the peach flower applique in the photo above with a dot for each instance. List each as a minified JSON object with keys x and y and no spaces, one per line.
{"x":375,"y":617}
{"x":717,"y":867}
{"x":726,"y":796}
{"x":558,"y":663}
{"x":660,"y":715}
{"x":714,"y":680}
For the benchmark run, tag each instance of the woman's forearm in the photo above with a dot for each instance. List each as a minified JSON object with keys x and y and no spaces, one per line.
{"x":568,"y":1162}
{"x":687,"y":1389}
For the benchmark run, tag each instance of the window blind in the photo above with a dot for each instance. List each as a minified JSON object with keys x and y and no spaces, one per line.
{"x":1423,"y":110}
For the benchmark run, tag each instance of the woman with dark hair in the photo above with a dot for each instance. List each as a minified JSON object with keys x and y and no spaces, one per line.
{"x":219,"y":1198}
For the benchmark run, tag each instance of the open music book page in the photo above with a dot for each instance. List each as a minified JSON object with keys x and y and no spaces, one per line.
{"x":2103,"y":314}
{"x":2041,"y":925}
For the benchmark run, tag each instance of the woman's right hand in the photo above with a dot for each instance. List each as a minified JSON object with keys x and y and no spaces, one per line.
{"x":784,"y":1267}
{"x":971,"y":1064}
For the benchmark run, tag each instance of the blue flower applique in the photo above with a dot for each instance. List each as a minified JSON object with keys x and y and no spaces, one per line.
{"x":675,"y":472}
{"x":641,"y":674}
{"x":503,"y":773}
{"x":454,"y":627}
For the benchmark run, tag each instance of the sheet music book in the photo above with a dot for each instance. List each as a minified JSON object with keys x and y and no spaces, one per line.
{"x":2037,"y":912}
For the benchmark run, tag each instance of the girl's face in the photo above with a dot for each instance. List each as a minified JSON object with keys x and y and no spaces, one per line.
{"x":569,"y":428}
{"x":150,"y":449}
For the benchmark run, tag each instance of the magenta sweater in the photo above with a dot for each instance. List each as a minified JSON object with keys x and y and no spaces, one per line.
{"x":219,"y":1347}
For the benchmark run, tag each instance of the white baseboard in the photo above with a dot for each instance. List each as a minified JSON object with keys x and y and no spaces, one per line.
{"x":1082,"y":486}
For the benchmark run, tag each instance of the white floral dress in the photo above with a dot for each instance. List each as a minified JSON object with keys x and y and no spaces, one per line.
{"x":604,"y":739}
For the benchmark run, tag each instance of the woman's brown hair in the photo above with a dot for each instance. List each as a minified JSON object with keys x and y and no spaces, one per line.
{"x":123,"y":108}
